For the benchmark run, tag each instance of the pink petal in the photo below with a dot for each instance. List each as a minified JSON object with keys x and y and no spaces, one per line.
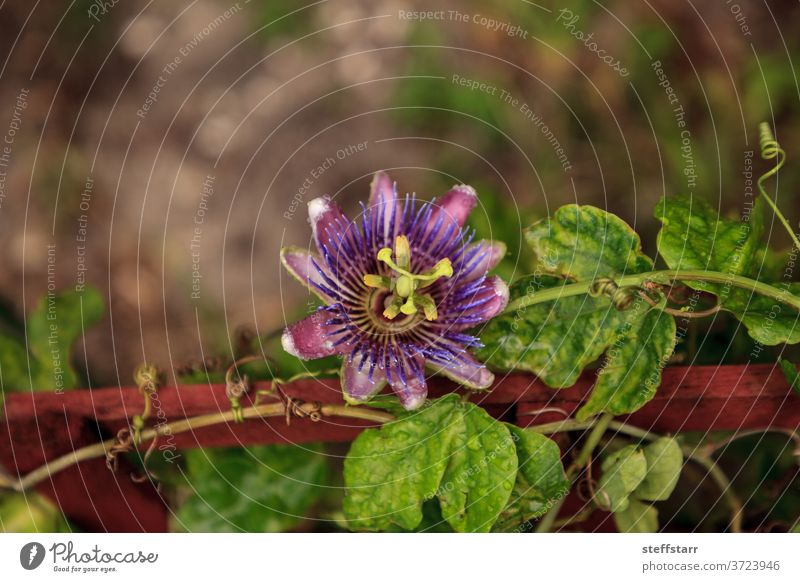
{"x":470,"y":373}
{"x":357,"y":387}
{"x":413,"y":391}
{"x":309,"y":339}
{"x":487,"y":302}
{"x":298,"y":262}
{"x":490,"y":254}
{"x":495,"y":292}
{"x":457,"y":203}
{"x":382,"y":190}
{"x":326,"y":221}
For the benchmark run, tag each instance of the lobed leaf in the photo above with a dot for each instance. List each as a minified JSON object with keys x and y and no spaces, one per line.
{"x":768,"y":321}
{"x":558,"y":339}
{"x":635,"y":359}
{"x":693,"y":236}
{"x":555,"y":340}
{"x":584,"y":243}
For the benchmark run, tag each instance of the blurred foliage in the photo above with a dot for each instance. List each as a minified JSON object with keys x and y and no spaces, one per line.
{"x":30,"y":513}
{"x":251,"y":489}
{"x":52,"y":328}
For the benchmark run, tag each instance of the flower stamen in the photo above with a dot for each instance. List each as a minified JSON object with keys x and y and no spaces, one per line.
{"x":403,"y":284}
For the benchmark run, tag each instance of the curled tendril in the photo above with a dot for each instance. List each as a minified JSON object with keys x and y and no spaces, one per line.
{"x":771,"y":150}
{"x":146,"y":378}
{"x":621,"y":297}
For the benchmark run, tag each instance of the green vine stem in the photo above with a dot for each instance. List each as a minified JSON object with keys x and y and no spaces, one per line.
{"x":599,"y":427}
{"x":179,"y":426}
{"x":666,"y":277}
{"x":771,"y":150}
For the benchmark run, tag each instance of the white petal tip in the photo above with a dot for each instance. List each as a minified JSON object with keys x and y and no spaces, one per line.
{"x":287,"y":341}
{"x":316,"y":208}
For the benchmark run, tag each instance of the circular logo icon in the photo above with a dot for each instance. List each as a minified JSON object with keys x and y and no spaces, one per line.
{"x":31,"y":555}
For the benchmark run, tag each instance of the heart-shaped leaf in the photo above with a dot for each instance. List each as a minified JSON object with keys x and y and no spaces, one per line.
{"x":623,"y":471}
{"x":664,"y":463}
{"x":449,"y":449}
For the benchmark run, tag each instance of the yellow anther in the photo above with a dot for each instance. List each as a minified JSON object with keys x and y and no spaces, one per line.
{"x":428,"y":306}
{"x":377,"y":282}
{"x":394,"y":308}
{"x":402,"y":251}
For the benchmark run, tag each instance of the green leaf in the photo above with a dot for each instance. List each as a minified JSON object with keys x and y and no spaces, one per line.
{"x":584,"y":242}
{"x":449,"y":449}
{"x":694,"y":236}
{"x":638,"y":517}
{"x":558,"y":339}
{"x":792,"y":375}
{"x":664,"y":463}
{"x":252,"y":489}
{"x":555,"y":340}
{"x":768,"y":321}
{"x":30,"y":513}
{"x":52,"y":328}
{"x":632,"y":372}
{"x":623,"y":472}
{"x":14,"y":375}
{"x":390,"y":471}
{"x":540,"y":481}
{"x":480,"y":472}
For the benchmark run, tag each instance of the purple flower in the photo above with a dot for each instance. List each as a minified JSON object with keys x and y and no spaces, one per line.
{"x":401,"y":284}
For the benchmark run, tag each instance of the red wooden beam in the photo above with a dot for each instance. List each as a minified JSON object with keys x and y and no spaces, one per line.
{"x":38,"y":427}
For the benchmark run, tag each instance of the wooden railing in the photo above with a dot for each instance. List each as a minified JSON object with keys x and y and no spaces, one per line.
{"x":42,"y":426}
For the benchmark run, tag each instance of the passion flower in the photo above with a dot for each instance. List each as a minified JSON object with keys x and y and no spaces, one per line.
{"x":402,"y":284}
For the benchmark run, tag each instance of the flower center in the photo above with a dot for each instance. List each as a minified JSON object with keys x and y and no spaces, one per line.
{"x":403,"y":285}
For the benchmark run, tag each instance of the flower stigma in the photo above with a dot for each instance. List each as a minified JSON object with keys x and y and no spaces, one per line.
{"x":403,"y":285}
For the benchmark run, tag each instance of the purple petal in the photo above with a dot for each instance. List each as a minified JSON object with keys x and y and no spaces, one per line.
{"x":382,"y":190}
{"x":412,"y":390}
{"x":299,"y":263}
{"x":468,"y":371}
{"x":483,"y":257}
{"x":310,"y":338}
{"x":326,"y":221}
{"x":487,"y":301}
{"x":457,"y":203}
{"x":357,"y":387}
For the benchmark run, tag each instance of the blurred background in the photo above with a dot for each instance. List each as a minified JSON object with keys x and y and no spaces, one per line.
{"x":163,"y":152}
